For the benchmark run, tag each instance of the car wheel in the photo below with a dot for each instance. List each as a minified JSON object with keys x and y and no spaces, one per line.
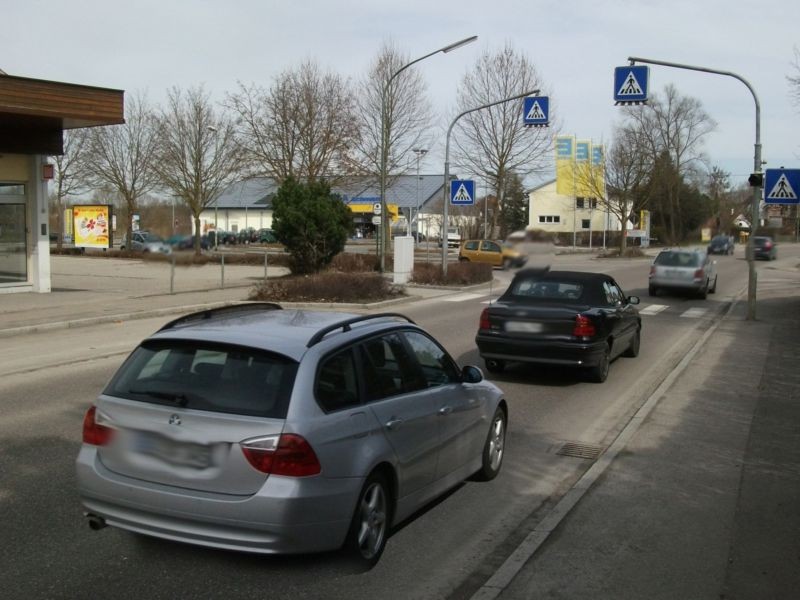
{"x":506,"y":264}
{"x":713,"y":289}
{"x":633,"y":349}
{"x":463,"y":259}
{"x":652,"y":290}
{"x":494,"y":365}
{"x":366,"y":538}
{"x":599,"y":373}
{"x":493,"y":448}
{"x":702,"y":294}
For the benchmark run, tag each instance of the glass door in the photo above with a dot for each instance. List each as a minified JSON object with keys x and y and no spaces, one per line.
{"x":13,"y":238}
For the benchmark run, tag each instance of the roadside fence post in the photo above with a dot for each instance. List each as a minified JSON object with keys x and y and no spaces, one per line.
{"x":222,"y":270}
{"x":266,"y":254}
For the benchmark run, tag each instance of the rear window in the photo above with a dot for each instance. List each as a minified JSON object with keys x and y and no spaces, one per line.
{"x":547,"y":289}
{"x":202,"y":376}
{"x":678,"y":259}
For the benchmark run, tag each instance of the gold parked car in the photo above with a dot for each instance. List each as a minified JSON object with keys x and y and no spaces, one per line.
{"x":494,"y":253}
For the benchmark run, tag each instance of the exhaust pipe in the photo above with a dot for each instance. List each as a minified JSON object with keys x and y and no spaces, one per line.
{"x":95,"y":523}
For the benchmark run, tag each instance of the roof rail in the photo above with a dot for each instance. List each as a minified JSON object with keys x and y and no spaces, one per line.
{"x":345,"y":325}
{"x":222,"y":311}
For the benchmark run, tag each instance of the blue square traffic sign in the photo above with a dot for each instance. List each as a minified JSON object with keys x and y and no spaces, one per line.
{"x":781,"y":186}
{"x":536,"y":110}
{"x":630,"y":84}
{"x":462,"y":192}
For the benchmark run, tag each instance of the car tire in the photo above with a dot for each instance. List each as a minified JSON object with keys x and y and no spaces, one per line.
{"x":493,"y":448}
{"x":599,"y":373}
{"x":506,"y":264}
{"x":652,"y":291}
{"x":703,"y":294}
{"x":494,"y":365}
{"x":369,"y":529}
{"x":713,"y":289}
{"x":633,"y":349}
{"x":463,"y":259}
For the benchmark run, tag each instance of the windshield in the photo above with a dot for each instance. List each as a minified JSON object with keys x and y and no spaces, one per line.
{"x":204,"y":376}
{"x":153,"y":237}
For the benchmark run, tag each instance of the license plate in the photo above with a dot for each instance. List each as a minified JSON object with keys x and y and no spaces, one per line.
{"x":196,"y":456}
{"x":524,"y":327}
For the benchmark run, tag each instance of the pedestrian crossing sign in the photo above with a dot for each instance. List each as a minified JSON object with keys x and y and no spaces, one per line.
{"x":462,"y":192}
{"x":781,"y":186}
{"x":535,"y":111}
{"x":630,"y":84}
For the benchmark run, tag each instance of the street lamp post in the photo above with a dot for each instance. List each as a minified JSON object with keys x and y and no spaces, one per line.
{"x":385,"y":138}
{"x":751,"y":265}
{"x":445,"y":191}
{"x":420,"y":152}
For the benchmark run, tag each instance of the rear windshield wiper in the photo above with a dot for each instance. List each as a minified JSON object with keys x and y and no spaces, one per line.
{"x":178,"y":398}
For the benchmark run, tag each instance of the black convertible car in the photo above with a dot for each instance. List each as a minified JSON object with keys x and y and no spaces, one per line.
{"x":560,"y":318}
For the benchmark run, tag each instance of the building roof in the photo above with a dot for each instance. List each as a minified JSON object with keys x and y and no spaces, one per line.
{"x":542,"y":185}
{"x":258,"y":192}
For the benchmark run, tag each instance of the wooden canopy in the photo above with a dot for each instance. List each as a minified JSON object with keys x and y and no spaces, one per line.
{"x":34,"y":113}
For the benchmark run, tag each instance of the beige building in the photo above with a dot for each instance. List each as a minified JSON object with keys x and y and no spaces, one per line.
{"x":565,"y":215}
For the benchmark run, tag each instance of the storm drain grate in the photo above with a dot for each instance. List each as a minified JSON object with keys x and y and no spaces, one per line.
{"x":578,"y":450}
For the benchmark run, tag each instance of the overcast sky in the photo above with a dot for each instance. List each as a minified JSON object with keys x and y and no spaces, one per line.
{"x":575,"y":44}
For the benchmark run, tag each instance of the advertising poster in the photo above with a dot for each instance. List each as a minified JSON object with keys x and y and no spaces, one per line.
{"x":92,"y":226}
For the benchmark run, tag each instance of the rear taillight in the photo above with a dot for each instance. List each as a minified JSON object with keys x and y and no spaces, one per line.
{"x":93,"y":432}
{"x":699,"y":275}
{"x":583,"y":327}
{"x":286,"y":454}
{"x":484,"y":324}
{"x":767,"y":245}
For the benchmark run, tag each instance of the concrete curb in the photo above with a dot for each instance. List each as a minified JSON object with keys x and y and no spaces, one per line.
{"x":185,"y":309}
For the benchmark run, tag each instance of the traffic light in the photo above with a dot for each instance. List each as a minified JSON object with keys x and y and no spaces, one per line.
{"x":756,"y":180}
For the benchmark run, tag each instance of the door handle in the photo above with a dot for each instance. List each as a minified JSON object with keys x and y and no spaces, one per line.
{"x":445,"y":410}
{"x":393,"y":423}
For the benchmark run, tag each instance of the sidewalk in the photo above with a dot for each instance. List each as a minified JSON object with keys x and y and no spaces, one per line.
{"x":87,"y":291}
{"x":703,"y":499}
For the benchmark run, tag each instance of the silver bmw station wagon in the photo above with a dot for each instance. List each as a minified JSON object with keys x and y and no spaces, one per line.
{"x":285,"y":431}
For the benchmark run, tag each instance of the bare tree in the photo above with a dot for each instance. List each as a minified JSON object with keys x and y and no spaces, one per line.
{"x":673,"y":126}
{"x":407,"y":109}
{"x":794,"y":80}
{"x":626,"y":169}
{"x":198,"y":155}
{"x":72,"y":174}
{"x":303,"y":126}
{"x":494,"y":142}
{"x":122,"y":156}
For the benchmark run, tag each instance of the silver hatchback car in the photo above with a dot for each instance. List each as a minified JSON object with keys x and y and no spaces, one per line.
{"x":683,"y":270}
{"x":285,"y":431}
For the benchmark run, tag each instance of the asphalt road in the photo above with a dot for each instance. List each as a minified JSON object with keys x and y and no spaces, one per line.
{"x":446,"y":551}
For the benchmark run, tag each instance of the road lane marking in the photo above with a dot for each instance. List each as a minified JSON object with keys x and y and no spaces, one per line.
{"x":653,"y":309}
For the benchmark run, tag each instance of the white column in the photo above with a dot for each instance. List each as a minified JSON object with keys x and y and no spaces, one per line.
{"x":39,"y":234}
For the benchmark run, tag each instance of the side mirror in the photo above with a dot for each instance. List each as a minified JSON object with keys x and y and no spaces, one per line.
{"x":471,"y":374}
{"x":633,"y":300}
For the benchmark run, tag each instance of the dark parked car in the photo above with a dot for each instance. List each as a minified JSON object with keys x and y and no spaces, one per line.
{"x":560,"y":318}
{"x":765,"y":247}
{"x":721,"y":244}
{"x":267,"y":236}
{"x":284,"y":431}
